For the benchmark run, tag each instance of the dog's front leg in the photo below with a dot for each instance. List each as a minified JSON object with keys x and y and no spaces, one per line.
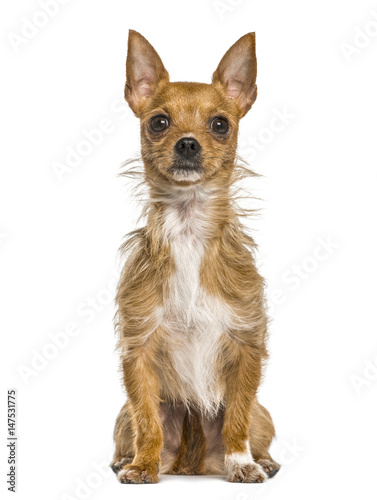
{"x":242,"y":378}
{"x":142,"y":387}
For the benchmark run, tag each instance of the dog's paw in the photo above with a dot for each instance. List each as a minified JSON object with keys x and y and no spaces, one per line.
{"x":135,"y":474}
{"x":246,"y":473}
{"x":117,"y":464}
{"x":270,"y":467}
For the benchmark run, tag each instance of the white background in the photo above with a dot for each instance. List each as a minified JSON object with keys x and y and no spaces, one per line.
{"x":59,"y":238}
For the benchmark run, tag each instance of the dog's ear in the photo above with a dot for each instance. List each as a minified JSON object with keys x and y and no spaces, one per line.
{"x":237,"y":73}
{"x":144,"y":70}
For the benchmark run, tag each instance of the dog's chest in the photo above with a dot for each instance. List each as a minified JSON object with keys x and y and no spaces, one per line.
{"x":193,"y":320}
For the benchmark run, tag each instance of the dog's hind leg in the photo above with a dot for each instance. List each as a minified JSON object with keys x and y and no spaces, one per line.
{"x":191,"y":455}
{"x":262,"y":432}
{"x":123,"y":438}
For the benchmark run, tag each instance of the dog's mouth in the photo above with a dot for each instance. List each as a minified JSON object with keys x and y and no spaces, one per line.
{"x":186,"y":170}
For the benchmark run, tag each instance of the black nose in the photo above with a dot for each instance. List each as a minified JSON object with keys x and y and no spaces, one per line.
{"x":187,"y":147}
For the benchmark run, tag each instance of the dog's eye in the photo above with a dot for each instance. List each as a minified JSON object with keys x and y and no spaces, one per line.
{"x":220,"y":125}
{"x":158,"y":123}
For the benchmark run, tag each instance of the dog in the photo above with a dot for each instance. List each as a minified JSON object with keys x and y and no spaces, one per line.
{"x":191,"y":314}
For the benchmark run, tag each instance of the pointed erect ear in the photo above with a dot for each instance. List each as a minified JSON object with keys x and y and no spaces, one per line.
{"x":237,"y":73}
{"x":144,"y":70}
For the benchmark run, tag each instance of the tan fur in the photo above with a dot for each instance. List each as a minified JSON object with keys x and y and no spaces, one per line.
{"x":209,"y":321}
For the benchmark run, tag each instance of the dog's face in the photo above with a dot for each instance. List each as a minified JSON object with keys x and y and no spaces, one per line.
{"x":189,"y":130}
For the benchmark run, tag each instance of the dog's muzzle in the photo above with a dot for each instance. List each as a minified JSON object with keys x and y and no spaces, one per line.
{"x":187,"y":148}
{"x":187,"y":157}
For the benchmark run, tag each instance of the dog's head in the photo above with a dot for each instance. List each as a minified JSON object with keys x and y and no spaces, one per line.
{"x":189,"y":130}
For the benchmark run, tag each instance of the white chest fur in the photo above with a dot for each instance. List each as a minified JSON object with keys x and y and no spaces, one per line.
{"x":194,"y":320}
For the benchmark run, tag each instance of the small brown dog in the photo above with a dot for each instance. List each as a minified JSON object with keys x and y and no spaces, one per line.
{"x":191,"y":317}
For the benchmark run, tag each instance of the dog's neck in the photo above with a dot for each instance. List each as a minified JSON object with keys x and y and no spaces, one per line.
{"x":199,"y":211}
